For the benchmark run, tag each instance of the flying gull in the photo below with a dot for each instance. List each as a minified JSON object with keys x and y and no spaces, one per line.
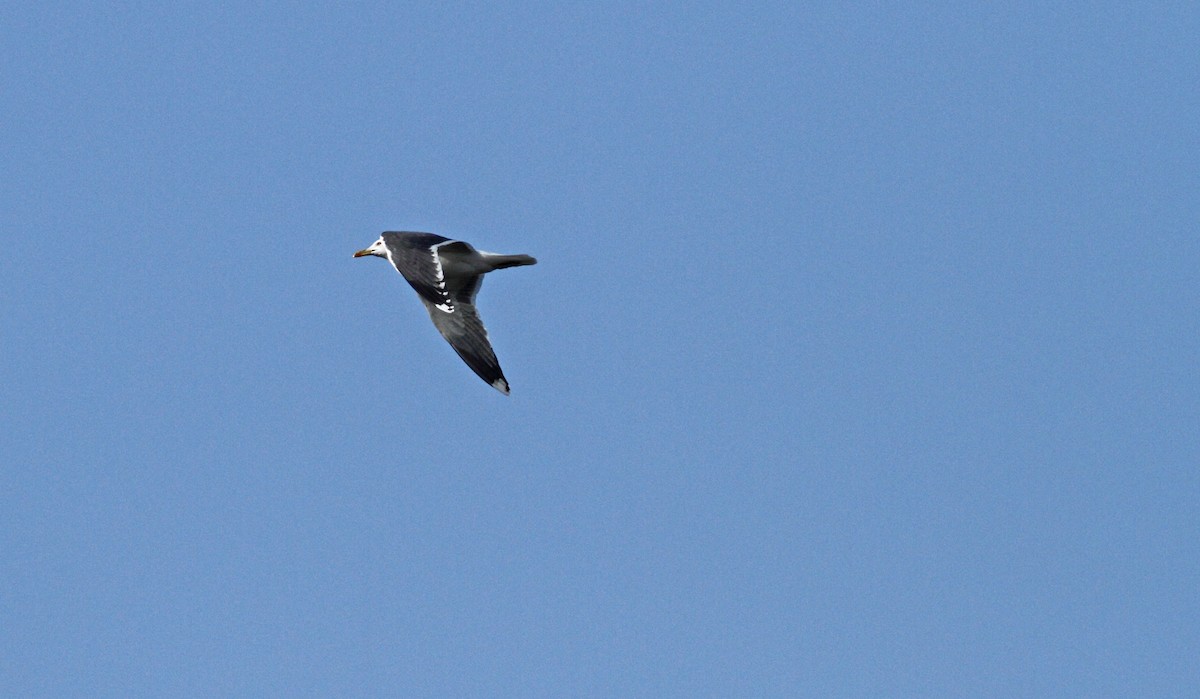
{"x":446,"y":275}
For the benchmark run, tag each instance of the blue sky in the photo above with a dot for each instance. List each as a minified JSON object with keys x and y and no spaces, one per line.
{"x":860,"y":359}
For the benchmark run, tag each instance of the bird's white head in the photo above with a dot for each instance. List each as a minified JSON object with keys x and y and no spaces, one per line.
{"x":376,"y":249}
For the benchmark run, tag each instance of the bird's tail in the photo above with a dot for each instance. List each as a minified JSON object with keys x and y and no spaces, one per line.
{"x":502,"y":261}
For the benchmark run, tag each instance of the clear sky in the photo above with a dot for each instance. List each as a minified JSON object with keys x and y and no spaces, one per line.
{"x":860,"y":359}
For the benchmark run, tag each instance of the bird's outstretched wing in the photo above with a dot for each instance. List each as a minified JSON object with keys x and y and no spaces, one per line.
{"x":416,"y":257}
{"x":463,"y":329}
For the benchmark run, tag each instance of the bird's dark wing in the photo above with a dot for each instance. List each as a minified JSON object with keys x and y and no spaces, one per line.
{"x":467,"y":293}
{"x":463,"y":329}
{"x":415,"y":256}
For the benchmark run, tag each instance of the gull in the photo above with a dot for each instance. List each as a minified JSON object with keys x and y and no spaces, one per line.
{"x":446,"y":275}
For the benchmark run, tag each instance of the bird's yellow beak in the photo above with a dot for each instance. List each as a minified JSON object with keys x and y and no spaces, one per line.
{"x":362,"y":253}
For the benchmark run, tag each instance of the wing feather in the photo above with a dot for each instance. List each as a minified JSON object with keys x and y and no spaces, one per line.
{"x":465,"y":332}
{"x":415,"y":257}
